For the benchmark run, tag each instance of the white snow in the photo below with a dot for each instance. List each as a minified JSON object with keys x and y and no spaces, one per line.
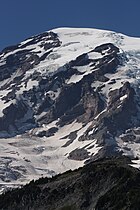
{"x":100,"y":114}
{"x":2,"y":63}
{"x":4,"y":105}
{"x":123,"y":97}
{"x":76,"y":41}
{"x":131,"y":149}
{"x":135,"y":164}
{"x":31,"y":84}
{"x":94,"y":55}
{"x":42,"y":156}
{"x":75,"y":78}
{"x":26,"y":41}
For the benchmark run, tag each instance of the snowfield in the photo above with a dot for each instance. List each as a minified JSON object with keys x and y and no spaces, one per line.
{"x":27,"y":157}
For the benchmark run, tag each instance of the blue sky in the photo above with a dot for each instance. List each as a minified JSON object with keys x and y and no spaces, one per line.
{"x":20,"y":19}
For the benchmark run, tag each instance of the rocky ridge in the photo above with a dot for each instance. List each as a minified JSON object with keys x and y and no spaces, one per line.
{"x":108,"y":184}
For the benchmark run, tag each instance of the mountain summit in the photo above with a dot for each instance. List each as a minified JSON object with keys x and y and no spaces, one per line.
{"x":67,"y":97}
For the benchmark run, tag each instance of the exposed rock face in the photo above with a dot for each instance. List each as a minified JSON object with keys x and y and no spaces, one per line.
{"x":74,"y":101}
{"x":23,"y":59}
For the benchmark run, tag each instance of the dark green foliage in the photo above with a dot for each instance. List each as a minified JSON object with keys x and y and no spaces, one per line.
{"x":109,"y":184}
{"x":68,"y":208}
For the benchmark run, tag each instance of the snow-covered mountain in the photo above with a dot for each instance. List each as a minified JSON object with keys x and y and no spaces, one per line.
{"x":67,"y":97}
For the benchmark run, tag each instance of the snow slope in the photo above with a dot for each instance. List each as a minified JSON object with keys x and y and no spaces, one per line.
{"x":27,"y":157}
